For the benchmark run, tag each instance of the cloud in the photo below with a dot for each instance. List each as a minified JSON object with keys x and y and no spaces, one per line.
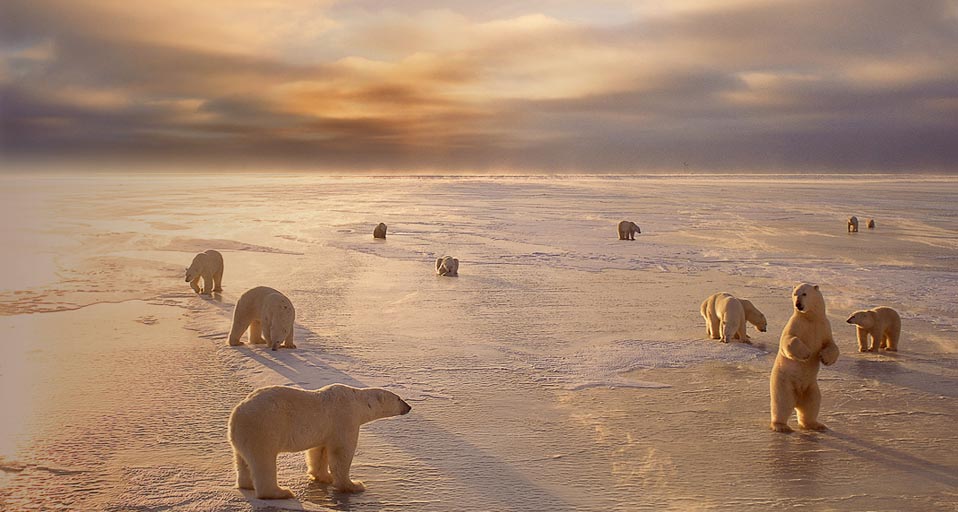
{"x":547,"y":85}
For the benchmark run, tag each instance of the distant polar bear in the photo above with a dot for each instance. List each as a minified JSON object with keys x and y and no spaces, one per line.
{"x":209,"y":266}
{"x":447,"y":266}
{"x":883,"y":325}
{"x":870,"y":223}
{"x":627,"y":230}
{"x":853,"y":224}
{"x":325,"y":422}
{"x":806,"y":341}
{"x":723,"y":304}
{"x":266,"y":313}
{"x":379,"y":231}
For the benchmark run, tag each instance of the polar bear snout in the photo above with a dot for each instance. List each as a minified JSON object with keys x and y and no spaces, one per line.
{"x":799,"y":306}
{"x":405,"y":408}
{"x":850,"y":320}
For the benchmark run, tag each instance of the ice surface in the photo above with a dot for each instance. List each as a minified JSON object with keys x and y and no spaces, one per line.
{"x":563,"y":370}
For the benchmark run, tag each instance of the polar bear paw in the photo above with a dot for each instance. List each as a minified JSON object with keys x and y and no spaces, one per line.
{"x":351,"y":486}
{"x":279,"y":493}
{"x":323,"y":478}
{"x":813,"y":426}
{"x":780,"y":427}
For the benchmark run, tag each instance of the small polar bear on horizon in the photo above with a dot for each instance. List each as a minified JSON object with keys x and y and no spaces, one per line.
{"x":725,"y":317}
{"x":883,"y":324}
{"x":324,"y":423}
{"x":870,"y":223}
{"x":853,"y":224}
{"x":380,"y":231}
{"x":628,"y":230}
{"x":806,"y":342}
{"x":447,"y":266}
{"x":267,"y":314}
{"x":209,"y":266}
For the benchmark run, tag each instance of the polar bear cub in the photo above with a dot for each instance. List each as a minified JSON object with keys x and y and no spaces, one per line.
{"x":266,"y":313}
{"x":209,"y":266}
{"x":325,"y":423}
{"x":379,"y":231}
{"x":627,"y":230}
{"x":447,"y":266}
{"x":723,"y":312}
{"x":853,"y":224}
{"x":806,"y":341}
{"x":883,"y":325}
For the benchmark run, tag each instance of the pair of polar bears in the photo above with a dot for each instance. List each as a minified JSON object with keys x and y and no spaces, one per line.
{"x":268,"y":314}
{"x":445,"y":266}
{"x":853,"y":224}
{"x":807,"y":341}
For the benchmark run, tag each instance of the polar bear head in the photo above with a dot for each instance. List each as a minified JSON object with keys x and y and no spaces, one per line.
{"x":865,"y":319}
{"x":282,"y":316}
{"x":754,"y":316}
{"x":808,"y":299}
{"x":382,"y":403}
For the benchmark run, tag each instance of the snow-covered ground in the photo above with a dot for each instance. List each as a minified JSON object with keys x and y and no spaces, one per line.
{"x":563,"y":369}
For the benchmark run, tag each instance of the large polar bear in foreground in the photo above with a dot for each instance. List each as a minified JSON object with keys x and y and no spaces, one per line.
{"x":447,"y":266}
{"x":806,"y":341}
{"x":627,"y":230}
{"x":325,"y":422}
{"x":725,"y":317}
{"x":209,"y":266}
{"x":883,"y":325}
{"x":266,"y":313}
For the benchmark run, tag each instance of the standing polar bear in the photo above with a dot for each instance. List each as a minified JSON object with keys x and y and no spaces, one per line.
{"x":806,"y":341}
{"x":266,"y":313}
{"x":853,"y":224}
{"x":725,"y":317}
{"x":209,"y":266}
{"x":883,"y":325}
{"x":447,"y":266}
{"x":627,"y":230}
{"x":380,"y":231}
{"x":325,"y":423}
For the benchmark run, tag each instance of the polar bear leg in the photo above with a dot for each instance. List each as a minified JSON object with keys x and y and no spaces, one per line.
{"x":262,"y":466}
{"x":340,"y":459}
{"x":876,"y":342}
{"x":194,"y":286}
{"x":318,"y":465}
{"x":236,"y":331}
{"x":891,"y":340}
{"x":256,"y":332}
{"x":288,"y":342}
{"x":218,"y":281}
{"x":783,"y":403}
{"x":207,"y":283}
{"x":243,"y":478}
{"x":862,"y":338}
{"x":807,"y":407}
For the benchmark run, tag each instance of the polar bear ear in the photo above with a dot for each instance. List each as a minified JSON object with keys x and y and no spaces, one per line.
{"x":815,"y":286}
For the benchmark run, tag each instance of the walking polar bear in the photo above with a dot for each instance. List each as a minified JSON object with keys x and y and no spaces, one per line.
{"x":883,"y":325}
{"x":806,"y":341}
{"x":853,"y":224}
{"x":325,"y":423}
{"x":725,"y":317}
{"x":266,"y":313}
{"x":627,"y":230}
{"x":209,"y":266}
{"x":447,"y":266}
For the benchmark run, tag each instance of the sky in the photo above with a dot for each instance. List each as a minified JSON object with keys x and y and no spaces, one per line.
{"x":602,"y":86}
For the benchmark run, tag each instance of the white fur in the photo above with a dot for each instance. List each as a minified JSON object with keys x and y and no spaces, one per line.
{"x":447,"y":266}
{"x":806,"y":341}
{"x":853,"y":224}
{"x":883,"y":325}
{"x":266,"y":313}
{"x":325,"y":423}
{"x":627,"y":230}
{"x":713,"y":317}
{"x":209,"y":266}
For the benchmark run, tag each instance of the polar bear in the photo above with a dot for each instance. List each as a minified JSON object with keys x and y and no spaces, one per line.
{"x":325,"y":423}
{"x":713,"y":320}
{"x":853,"y":224}
{"x":806,"y":341}
{"x":883,"y":325}
{"x":627,"y":230}
{"x":266,"y":313}
{"x":447,"y":266}
{"x":209,"y":266}
{"x":870,"y":223}
{"x":379,"y":231}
